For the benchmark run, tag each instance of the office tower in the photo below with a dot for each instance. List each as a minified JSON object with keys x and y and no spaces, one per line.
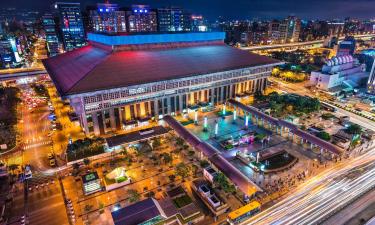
{"x":107,"y":17}
{"x":290,"y":29}
{"x":173,"y":19}
{"x":70,"y":25}
{"x":52,"y":41}
{"x":141,"y":19}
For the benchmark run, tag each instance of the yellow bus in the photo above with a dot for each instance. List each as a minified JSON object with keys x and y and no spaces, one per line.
{"x":243,"y":213}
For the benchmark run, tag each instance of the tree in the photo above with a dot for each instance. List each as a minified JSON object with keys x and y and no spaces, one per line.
{"x":167,"y":158}
{"x":180,"y":142}
{"x":156,"y":143}
{"x":134,"y":196}
{"x":86,"y":161}
{"x":324,"y":136}
{"x":75,"y":166}
{"x":204,"y":163}
{"x":182,"y":170}
{"x":222,"y":181}
{"x":354,"y":129}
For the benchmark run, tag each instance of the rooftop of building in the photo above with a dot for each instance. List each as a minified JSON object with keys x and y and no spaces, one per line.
{"x":94,"y":68}
{"x":137,"y":213}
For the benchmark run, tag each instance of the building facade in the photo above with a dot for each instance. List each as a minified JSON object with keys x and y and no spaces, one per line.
{"x":290,"y":29}
{"x":141,"y":19}
{"x":70,"y":25}
{"x":107,"y":18}
{"x":173,"y":19}
{"x":189,"y":71}
{"x":338,"y":74}
{"x":52,"y":40}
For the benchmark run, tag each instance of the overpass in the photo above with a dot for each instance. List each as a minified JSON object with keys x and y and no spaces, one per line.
{"x":14,"y":75}
{"x":300,"y":44}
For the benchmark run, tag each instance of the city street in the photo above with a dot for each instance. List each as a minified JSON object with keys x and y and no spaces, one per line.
{"x":324,"y":194}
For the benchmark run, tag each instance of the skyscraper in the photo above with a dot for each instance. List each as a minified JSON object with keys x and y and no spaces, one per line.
{"x":107,"y":18}
{"x":52,"y":40}
{"x":141,"y":19}
{"x":70,"y":24}
{"x":290,"y":29}
{"x":173,"y":19}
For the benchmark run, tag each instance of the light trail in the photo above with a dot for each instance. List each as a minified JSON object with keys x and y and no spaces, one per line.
{"x":323,"y":195}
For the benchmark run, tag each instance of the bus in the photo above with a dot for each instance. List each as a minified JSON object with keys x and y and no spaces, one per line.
{"x":328,"y":107}
{"x":243,"y":213}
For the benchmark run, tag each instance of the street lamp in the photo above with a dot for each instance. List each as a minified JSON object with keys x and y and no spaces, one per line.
{"x":196,"y":117}
{"x":205,"y":124}
{"x":247,"y":121}
{"x":216,"y":129}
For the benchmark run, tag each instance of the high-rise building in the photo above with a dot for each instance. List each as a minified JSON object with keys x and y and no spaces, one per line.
{"x":70,"y":24}
{"x":335,"y":29}
{"x":290,"y":29}
{"x":141,"y":19}
{"x":346,"y":47}
{"x":198,"y":23}
{"x":173,"y":19}
{"x":9,"y":56}
{"x":107,"y":17}
{"x":52,"y":40}
{"x":274,"y":31}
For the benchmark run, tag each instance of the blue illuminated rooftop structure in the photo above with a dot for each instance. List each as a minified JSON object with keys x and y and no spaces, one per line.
{"x":369,"y":52}
{"x":155,"y":38}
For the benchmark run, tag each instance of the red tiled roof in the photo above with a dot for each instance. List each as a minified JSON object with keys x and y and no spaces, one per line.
{"x":91,"y":68}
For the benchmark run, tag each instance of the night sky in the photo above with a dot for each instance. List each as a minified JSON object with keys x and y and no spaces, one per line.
{"x":240,"y":9}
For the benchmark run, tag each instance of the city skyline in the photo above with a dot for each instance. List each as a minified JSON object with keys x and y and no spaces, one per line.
{"x":319,"y":9}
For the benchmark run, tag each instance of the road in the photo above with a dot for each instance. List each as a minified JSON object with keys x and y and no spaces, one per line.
{"x":323,"y":194}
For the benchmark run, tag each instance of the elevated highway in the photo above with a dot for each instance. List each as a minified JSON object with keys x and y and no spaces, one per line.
{"x":317,"y":43}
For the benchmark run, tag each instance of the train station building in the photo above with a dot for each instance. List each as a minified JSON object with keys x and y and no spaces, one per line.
{"x":119,"y":81}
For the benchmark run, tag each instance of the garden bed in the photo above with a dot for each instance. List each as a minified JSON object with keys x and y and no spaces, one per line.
{"x":182,"y":201}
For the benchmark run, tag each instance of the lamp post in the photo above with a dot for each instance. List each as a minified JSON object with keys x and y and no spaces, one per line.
{"x":196,"y":117}
{"x":216,"y":129}
{"x":205,"y":124}
{"x":234,"y":116}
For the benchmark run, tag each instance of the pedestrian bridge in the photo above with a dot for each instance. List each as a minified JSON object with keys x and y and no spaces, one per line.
{"x":215,"y":157}
{"x":254,"y":114}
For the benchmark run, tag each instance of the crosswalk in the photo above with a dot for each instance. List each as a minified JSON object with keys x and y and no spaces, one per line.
{"x":37,"y":144}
